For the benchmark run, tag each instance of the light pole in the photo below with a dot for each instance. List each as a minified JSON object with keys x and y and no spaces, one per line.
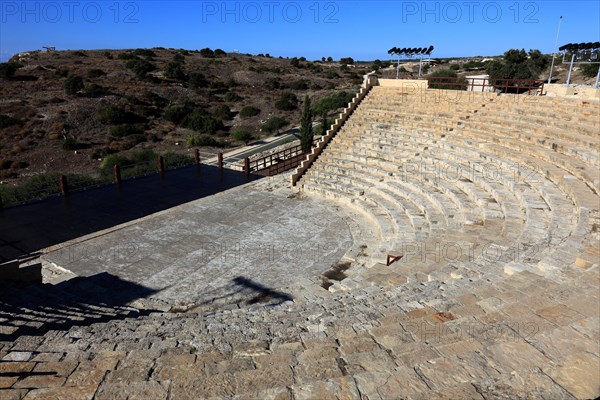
{"x":554,"y":49}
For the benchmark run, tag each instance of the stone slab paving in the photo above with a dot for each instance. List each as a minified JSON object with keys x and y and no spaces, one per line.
{"x":218,"y":247}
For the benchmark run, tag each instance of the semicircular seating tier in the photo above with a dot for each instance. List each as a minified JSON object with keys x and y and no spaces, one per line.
{"x":466,"y":183}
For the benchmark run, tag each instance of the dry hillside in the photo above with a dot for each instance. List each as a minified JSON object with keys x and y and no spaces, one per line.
{"x":46,"y":129}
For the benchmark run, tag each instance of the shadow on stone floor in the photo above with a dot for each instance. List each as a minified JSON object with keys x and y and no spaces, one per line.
{"x":262,"y":294}
{"x":33,"y":308}
{"x":241,"y":292}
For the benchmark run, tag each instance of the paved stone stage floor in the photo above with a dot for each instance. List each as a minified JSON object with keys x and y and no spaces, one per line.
{"x":170,"y":307}
{"x":224,"y":249}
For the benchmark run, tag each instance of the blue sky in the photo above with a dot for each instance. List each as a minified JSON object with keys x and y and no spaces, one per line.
{"x":364,"y":30}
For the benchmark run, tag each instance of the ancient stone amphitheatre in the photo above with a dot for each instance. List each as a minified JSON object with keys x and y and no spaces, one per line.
{"x":273,"y":291}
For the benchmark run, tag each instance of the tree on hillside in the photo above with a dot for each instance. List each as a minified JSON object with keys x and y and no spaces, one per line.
{"x":140,"y":67}
{"x":243,"y":135}
{"x":207,"y":52}
{"x":197,"y":80}
{"x":287,"y":102}
{"x":517,"y":64}
{"x":274,"y":124}
{"x":73,"y":84}
{"x":306,"y":130}
{"x":174,"y":70}
{"x":589,"y":70}
{"x":449,"y":80}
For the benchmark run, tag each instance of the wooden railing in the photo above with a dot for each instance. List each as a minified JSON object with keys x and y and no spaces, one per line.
{"x":324,"y":140}
{"x":280,"y":161}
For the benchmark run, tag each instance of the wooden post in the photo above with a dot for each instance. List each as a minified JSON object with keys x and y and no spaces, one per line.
{"x":117,"y":174}
{"x":161,"y":165}
{"x":63,"y":185}
{"x":197,"y":156}
{"x":220,"y":160}
{"x":247,"y":166}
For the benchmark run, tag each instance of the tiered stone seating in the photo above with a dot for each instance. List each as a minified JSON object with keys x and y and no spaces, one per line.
{"x":509,"y":191}
{"x":514,"y":314}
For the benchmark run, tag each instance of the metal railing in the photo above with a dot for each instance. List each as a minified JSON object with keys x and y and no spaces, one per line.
{"x":517,"y":86}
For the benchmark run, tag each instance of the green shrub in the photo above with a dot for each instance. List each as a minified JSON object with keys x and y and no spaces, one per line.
{"x":140,"y":67}
{"x":589,"y":70}
{"x":127,"y":56}
{"x":114,"y":115}
{"x":95,"y":73}
{"x":333,"y":102}
{"x":144,"y":53}
{"x":146,"y":158}
{"x":243,"y":135}
{"x":473,"y":65}
{"x":73,"y":84}
{"x":70,"y":143}
{"x":231,"y":97}
{"x":179,"y":57}
{"x":7,"y":120}
{"x":197,"y":80}
{"x":454,"y":67}
{"x":177,"y":113}
{"x":200,"y":121}
{"x":110,"y":114}
{"x":155,"y":99}
{"x":517,"y":64}
{"x":207,"y":52}
{"x":287,"y":102}
{"x":454,"y":83}
{"x":249,"y":111}
{"x":299,"y":85}
{"x":174,"y":70}
{"x":94,"y":89}
{"x":120,"y":131}
{"x":223,"y":112}
{"x":272,"y":83}
{"x":218,"y":85}
{"x":274,"y":124}
{"x":174,"y":160}
{"x":331,"y":74}
{"x":202,"y":140}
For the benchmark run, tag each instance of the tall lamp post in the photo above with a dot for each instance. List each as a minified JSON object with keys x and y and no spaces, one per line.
{"x":554,"y":49}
